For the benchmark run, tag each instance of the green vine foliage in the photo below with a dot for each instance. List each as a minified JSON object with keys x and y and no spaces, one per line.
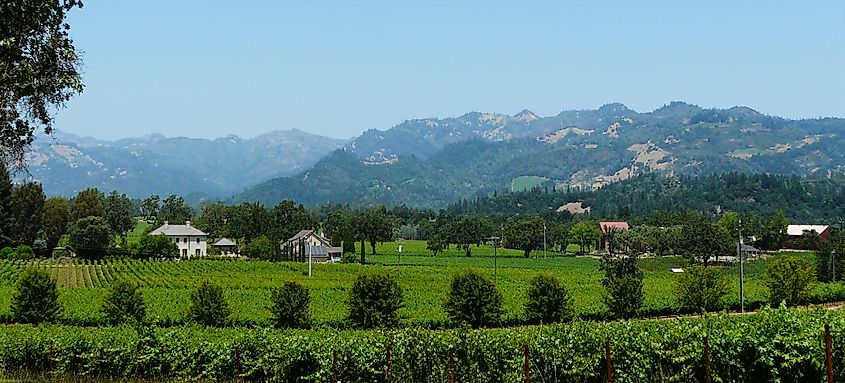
{"x":774,"y":345}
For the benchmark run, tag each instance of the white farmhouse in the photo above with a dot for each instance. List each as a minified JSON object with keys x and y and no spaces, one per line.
{"x":190,"y":240}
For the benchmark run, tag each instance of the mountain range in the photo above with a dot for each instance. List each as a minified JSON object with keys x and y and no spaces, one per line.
{"x":154,"y":164}
{"x":433,"y":162}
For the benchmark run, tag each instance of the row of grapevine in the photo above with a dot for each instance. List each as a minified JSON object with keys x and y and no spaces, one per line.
{"x":774,"y":345}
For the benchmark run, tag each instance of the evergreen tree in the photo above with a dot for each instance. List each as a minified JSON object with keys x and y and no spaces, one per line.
{"x":55,"y":220}
{"x":118,"y":208}
{"x":88,"y":203}
{"x":27,"y":205}
{"x":6,"y":221}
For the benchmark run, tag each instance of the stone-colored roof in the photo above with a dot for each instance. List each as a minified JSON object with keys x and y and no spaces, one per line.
{"x":799,"y":230}
{"x":177,"y":230}
{"x":222,"y":242}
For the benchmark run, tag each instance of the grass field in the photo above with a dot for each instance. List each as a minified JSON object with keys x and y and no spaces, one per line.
{"x":425,"y":280}
{"x":523,"y":183}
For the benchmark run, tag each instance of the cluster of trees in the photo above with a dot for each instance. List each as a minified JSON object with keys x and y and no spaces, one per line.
{"x":91,"y":220}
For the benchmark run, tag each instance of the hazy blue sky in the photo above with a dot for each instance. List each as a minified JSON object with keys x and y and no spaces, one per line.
{"x":211,"y":68}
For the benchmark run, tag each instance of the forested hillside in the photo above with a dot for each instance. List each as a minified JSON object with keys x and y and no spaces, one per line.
{"x":810,"y":199}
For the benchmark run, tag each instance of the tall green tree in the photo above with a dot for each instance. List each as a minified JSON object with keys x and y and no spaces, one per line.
{"x":6,"y":220}
{"x":55,"y":220}
{"x":27,"y":205}
{"x":525,"y":235}
{"x":375,"y":226}
{"x":118,"y":209}
{"x":88,"y":203}
{"x":702,"y":241}
{"x":175,"y":210}
{"x":585,"y":234}
{"x":40,"y":70}
{"x":250,"y":220}
{"x":216,"y":220}
{"x":470,"y":230}
{"x":90,"y":235}
{"x":156,"y":246}
{"x":773,"y":231}
{"x":287,"y":219}
{"x":150,"y":207}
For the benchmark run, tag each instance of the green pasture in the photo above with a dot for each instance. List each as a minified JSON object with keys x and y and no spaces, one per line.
{"x":523,"y":183}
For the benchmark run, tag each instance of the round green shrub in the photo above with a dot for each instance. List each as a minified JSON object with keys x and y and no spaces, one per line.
{"x":374,"y":301}
{"x":124,"y":304}
{"x":701,"y":289}
{"x":36,"y":298}
{"x":290,"y":306}
{"x":548,"y":301}
{"x":208,"y":306}
{"x":473,"y":300}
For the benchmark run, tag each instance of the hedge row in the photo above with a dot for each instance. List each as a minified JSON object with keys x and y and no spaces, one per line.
{"x":773,"y":345}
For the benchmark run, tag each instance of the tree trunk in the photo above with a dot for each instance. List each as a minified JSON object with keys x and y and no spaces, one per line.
{"x":527,"y":252}
{"x":363,"y":252}
{"x":373,"y":244}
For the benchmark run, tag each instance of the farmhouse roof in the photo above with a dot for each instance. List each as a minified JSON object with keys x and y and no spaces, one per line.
{"x":798,"y":230}
{"x":605,"y":226}
{"x":307,"y":233}
{"x":177,"y":230}
{"x":749,"y":248}
{"x":223,"y":242}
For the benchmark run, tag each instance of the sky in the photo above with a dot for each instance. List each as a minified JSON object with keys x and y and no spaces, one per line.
{"x":337,"y":68}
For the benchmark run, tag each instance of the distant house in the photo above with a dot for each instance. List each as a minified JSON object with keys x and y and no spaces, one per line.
{"x":795,"y":235}
{"x":610,"y":227}
{"x":308,"y":243}
{"x":226,"y":247}
{"x":749,"y":252}
{"x":190,"y":240}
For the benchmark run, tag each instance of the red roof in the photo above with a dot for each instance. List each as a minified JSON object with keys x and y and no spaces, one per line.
{"x":605,"y":226}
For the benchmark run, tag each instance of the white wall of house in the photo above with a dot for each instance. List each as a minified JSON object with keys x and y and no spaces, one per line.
{"x":190,"y":245}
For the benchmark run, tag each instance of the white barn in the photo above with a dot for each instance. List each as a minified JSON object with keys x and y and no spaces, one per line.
{"x":192,"y":242}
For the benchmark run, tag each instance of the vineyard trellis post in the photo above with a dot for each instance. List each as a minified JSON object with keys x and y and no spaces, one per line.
{"x":334,"y":366}
{"x":451,"y":365}
{"x":706,"y":359}
{"x":238,"y":361}
{"x":828,"y":353}
{"x":526,"y":365}
{"x":609,"y":361}
{"x":389,"y":361}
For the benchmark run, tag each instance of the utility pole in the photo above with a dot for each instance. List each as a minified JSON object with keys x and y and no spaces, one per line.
{"x":309,"y":259}
{"x":741,"y":272}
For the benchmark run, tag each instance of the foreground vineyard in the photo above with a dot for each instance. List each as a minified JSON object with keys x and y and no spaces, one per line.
{"x":166,"y":285}
{"x":773,"y":345}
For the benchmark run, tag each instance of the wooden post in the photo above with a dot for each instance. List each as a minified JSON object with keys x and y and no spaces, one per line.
{"x":238,"y":361}
{"x":334,"y":366}
{"x":609,"y":358}
{"x":451,"y":365}
{"x":389,"y":361}
{"x":706,"y":359}
{"x":526,"y":365}
{"x":828,"y":353}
